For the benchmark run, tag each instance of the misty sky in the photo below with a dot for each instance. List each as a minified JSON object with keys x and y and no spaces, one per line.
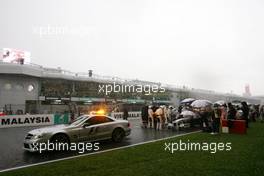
{"x":207,"y":44}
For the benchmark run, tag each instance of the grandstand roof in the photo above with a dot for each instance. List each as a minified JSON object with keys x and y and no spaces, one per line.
{"x":35,"y":70}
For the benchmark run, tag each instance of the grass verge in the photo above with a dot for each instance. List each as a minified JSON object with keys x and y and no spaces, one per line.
{"x":245,"y":158}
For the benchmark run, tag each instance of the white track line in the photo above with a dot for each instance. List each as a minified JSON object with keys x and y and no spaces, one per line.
{"x":94,"y":153}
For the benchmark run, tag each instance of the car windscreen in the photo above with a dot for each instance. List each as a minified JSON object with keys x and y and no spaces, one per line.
{"x":98,"y":120}
{"x":78,"y":120}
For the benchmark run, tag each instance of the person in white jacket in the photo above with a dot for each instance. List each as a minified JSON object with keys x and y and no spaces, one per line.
{"x":150,"y":117}
{"x":160,"y":118}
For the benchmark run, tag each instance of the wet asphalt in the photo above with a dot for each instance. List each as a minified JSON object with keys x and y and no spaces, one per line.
{"x":13,"y":155}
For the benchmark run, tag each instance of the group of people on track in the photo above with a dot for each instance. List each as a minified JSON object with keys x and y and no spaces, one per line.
{"x":156,"y":116}
{"x":159,"y":117}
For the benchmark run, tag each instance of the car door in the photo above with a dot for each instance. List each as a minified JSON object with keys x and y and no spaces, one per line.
{"x":96,"y":128}
{"x":103,"y":129}
{"x":87,"y":129}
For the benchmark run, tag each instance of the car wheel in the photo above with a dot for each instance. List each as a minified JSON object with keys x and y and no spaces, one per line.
{"x":60,"y":138}
{"x":118,"y":135}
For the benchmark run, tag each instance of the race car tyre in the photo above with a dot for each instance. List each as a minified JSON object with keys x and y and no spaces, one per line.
{"x":118,"y":135}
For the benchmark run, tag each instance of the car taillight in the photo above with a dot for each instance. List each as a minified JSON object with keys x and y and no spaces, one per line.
{"x":128,"y":125}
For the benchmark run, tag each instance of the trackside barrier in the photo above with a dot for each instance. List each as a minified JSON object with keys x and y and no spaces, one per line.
{"x":33,"y":120}
{"x":8,"y":121}
{"x":119,"y":115}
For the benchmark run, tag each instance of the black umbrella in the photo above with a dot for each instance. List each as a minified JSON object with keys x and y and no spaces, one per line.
{"x":187,"y":100}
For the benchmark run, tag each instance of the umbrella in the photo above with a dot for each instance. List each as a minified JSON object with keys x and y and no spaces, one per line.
{"x":236,"y":103}
{"x":201,"y":103}
{"x":187,"y":100}
{"x":219,"y":103}
{"x":187,"y":113}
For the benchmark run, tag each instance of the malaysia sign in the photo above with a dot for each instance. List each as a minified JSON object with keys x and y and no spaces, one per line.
{"x":26,"y":120}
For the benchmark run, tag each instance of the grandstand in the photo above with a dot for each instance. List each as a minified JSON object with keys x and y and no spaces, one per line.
{"x":31,"y":88}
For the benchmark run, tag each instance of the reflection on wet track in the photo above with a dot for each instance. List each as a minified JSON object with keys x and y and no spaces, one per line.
{"x":13,"y":155}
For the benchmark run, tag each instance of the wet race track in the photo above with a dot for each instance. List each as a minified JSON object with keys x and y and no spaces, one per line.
{"x":13,"y":155}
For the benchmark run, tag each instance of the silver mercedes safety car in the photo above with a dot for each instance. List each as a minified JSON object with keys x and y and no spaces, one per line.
{"x":84,"y":128}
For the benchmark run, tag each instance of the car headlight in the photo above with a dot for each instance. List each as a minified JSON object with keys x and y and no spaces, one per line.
{"x":38,"y":136}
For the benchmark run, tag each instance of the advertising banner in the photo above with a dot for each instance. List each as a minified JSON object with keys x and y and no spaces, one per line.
{"x":26,"y":120}
{"x":15,"y":56}
{"x":119,"y":115}
{"x":33,"y":120}
{"x":61,"y":119}
{"x":8,"y":121}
